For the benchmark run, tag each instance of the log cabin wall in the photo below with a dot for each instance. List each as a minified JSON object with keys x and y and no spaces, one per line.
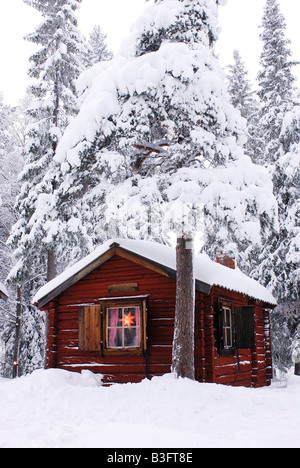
{"x":52,"y":335}
{"x":254,"y":367}
{"x":250,"y":368}
{"x":63,"y":325}
{"x":261,"y":357}
{"x":268,"y":346}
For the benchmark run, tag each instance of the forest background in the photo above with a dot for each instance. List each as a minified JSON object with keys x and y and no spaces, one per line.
{"x":271,"y":107}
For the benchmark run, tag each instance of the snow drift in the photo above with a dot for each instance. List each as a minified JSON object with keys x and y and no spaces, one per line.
{"x":60,"y":409}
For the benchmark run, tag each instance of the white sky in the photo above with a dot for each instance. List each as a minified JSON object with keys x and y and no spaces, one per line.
{"x":239,"y":20}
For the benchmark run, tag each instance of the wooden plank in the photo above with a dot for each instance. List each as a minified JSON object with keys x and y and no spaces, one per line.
{"x":123,"y":288}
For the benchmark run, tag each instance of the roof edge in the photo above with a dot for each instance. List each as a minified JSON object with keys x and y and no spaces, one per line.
{"x":110,"y":248}
{"x":3,"y":296}
{"x":3,"y":292}
{"x":77,"y":276}
{"x":114,"y":249}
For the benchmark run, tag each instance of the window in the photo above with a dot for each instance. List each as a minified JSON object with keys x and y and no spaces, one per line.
{"x":235,"y":327}
{"x":227,"y":327}
{"x":123,"y":327}
{"x":113,"y":326}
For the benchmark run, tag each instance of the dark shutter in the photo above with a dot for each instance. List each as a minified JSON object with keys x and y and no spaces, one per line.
{"x":244,"y":327}
{"x":89,"y":338}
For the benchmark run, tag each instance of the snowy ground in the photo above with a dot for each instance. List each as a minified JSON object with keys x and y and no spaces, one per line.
{"x":59,"y":409}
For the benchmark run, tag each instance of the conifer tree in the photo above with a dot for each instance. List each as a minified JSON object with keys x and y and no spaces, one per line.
{"x":12,"y":143}
{"x":156,"y":131}
{"x":279,"y":118}
{"x":279,"y":261}
{"x":276,"y":80}
{"x":54,"y":68}
{"x":98,"y":49}
{"x":245,"y":100}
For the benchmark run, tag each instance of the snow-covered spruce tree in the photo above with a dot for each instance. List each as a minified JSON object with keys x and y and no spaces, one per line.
{"x":98,"y":48}
{"x":275,"y":79}
{"x":244,"y":98}
{"x":279,"y":262}
{"x":280,"y":268}
{"x":54,"y":68}
{"x":12,"y":123}
{"x":287,"y":177}
{"x":156,"y":133}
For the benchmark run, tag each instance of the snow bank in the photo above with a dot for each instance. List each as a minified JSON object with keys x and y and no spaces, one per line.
{"x":59,"y":409}
{"x":206,"y":270}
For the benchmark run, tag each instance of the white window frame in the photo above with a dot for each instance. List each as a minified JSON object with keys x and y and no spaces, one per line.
{"x":123,"y":327}
{"x":227,"y":311}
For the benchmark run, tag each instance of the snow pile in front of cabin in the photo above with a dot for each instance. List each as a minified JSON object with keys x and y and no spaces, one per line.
{"x":60,"y":409}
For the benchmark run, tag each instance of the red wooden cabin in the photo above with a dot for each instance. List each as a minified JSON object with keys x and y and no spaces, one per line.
{"x":113,"y":313}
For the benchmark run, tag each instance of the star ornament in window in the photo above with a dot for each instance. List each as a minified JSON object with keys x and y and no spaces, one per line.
{"x":128,"y":320}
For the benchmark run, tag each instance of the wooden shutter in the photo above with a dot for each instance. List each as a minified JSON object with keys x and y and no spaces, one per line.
{"x":244,"y":327}
{"x":90,"y":328}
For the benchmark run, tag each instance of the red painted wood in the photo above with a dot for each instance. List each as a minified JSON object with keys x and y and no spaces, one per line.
{"x":255,"y":367}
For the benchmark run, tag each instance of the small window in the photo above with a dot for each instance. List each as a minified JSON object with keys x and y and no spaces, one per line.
{"x":224,"y":327}
{"x":123,"y":327}
{"x":227,"y":327}
{"x":235,"y":327}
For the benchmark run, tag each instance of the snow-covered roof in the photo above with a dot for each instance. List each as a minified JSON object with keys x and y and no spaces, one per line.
{"x":206,"y":271}
{"x":3,"y":291}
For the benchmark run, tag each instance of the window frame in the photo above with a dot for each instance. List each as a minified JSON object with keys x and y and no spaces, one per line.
{"x":222,"y":349}
{"x":243,"y":334}
{"x":124,"y":302}
{"x":227,"y":327}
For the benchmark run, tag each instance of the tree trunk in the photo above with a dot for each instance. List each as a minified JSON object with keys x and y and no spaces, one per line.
{"x":17,"y":331}
{"x":183,"y":342}
{"x":51,"y":266}
{"x":297,"y":368}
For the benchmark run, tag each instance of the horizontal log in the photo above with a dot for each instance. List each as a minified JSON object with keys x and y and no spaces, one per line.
{"x":118,"y":369}
{"x":125,"y":378}
{"x":238,"y":380}
{"x":233,"y":369}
